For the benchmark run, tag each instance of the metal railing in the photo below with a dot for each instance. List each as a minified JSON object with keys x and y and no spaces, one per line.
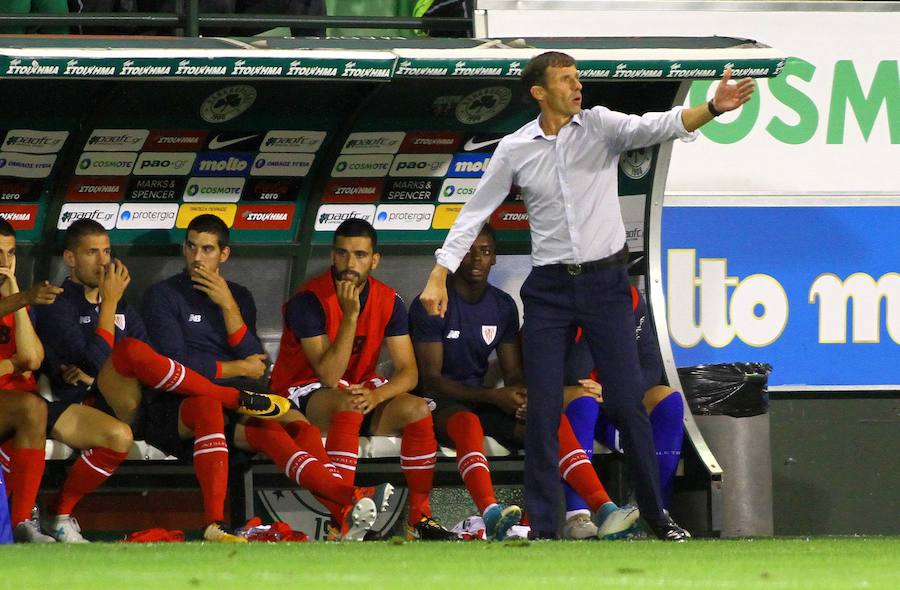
{"x":187,"y":21}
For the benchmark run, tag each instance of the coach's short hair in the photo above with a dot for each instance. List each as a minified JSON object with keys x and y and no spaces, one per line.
{"x":6,"y":229}
{"x":82,"y":228}
{"x":535,"y":73}
{"x":356,"y":228}
{"x":210,"y":224}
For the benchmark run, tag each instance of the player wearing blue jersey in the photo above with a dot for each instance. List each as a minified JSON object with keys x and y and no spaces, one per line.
{"x":78,"y":332}
{"x":452,"y":354}
{"x":590,"y":420}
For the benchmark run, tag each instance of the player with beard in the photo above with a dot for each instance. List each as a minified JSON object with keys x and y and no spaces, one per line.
{"x":334,"y":328}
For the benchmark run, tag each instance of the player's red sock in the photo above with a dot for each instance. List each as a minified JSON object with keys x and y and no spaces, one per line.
{"x":270,"y":438}
{"x":466,"y":433}
{"x":309,"y":438}
{"x":203,"y":415}
{"x":137,"y":360}
{"x":26,"y":471}
{"x":92,"y":468}
{"x":576,"y":469}
{"x":5,"y":450}
{"x":418,"y":454}
{"x":342,"y":443}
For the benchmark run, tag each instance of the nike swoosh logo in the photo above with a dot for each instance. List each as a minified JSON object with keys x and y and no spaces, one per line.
{"x":216,"y":144}
{"x":473,"y":145}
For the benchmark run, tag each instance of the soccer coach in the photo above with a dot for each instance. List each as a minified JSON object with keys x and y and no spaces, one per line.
{"x":565,"y":161}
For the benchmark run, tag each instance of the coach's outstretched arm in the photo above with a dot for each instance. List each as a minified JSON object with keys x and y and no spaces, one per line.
{"x":728,"y":97}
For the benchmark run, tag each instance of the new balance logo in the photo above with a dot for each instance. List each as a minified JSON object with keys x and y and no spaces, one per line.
{"x":195,"y":318}
{"x":453,"y":335}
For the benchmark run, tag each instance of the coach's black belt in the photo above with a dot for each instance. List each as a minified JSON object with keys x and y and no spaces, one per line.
{"x":618,"y":259}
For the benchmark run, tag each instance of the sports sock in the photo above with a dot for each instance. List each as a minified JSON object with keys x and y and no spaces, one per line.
{"x":92,"y":468}
{"x":576,"y":469}
{"x":309,"y":438}
{"x":5,"y":459}
{"x":467,"y":435}
{"x":26,"y":471}
{"x":342,"y":443}
{"x":582,"y":415}
{"x":667,"y":421}
{"x":136,"y":359}
{"x":418,"y":455}
{"x":204,"y":417}
{"x":270,"y":438}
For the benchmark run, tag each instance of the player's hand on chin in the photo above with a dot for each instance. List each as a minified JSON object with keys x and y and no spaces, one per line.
{"x":214,"y":285}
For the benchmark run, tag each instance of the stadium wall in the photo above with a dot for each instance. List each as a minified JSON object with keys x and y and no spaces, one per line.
{"x":802,"y":185}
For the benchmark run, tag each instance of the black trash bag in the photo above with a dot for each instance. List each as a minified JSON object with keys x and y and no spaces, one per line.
{"x":727,"y":389}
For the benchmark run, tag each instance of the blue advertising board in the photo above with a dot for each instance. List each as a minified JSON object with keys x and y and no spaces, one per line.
{"x":807,"y":284}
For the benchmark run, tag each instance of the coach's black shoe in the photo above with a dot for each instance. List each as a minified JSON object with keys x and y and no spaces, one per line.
{"x":667,"y":530}
{"x":263,"y":405}
{"x":428,"y":529}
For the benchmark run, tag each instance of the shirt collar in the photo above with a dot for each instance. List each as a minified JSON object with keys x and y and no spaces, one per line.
{"x":537,"y":131}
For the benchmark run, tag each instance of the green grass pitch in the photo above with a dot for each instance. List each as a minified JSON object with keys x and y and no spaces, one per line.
{"x":818,"y":563}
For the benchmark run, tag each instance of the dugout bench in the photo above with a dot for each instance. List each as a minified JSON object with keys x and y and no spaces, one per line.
{"x":286,"y":138}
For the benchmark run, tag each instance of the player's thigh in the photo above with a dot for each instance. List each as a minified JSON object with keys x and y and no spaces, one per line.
{"x":119,"y":391}
{"x":502,"y":427}
{"x":324,"y":403}
{"x":83,"y":427}
{"x":292,"y":415}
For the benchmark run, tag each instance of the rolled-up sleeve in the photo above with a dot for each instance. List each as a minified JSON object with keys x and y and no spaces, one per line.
{"x":491,"y":191}
{"x":629,"y":132}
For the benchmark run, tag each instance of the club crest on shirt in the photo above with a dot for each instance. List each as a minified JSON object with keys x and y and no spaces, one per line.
{"x":120,"y":321}
{"x":488,"y":333}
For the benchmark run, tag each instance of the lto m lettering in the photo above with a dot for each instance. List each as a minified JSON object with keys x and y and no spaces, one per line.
{"x":715,"y":307}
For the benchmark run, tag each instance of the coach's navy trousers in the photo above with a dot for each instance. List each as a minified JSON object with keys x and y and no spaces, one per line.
{"x":556,"y":303}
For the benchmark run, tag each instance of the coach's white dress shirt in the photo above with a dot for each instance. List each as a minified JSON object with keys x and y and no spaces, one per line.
{"x":569,"y":184}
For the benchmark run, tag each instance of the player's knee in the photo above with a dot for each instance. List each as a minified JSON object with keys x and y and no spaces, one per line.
{"x":655,"y":395}
{"x":118,"y":437}
{"x":579,"y":395}
{"x":344,"y":403}
{"x":412,"y":408}
{"x":33,"y":410}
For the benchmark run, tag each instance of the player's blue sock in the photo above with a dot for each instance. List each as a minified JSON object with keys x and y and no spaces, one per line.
{"x":667,"y":420}
{"x":582,"y":415}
